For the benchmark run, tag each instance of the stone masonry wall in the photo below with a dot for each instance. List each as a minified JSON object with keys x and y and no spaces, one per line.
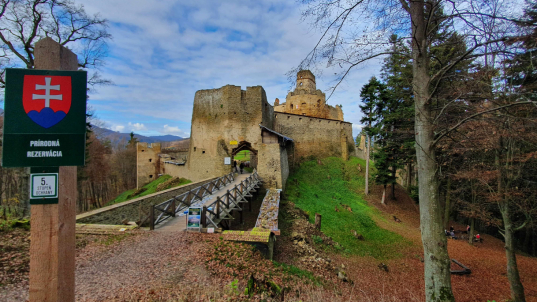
{"x":219,"y":117}
{"x":315,"y":136}
{"x":146,"y":163}
{"x":131,"y":210}
{"x":271,"y":165}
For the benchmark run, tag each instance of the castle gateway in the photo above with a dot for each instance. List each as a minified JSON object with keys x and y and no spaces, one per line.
{"x":228,"y":120}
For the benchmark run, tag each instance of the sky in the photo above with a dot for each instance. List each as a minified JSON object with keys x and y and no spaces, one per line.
{"x":163,"y":51}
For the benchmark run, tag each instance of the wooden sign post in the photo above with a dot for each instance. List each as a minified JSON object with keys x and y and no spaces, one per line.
{"x":44,"y":128}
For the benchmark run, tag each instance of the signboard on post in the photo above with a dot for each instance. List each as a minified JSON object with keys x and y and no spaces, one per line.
{"x":44,"y":185}
{"x":193,"y":220}
{"x":44,"y":118}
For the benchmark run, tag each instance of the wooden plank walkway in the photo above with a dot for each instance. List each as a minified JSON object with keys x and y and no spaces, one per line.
{"x":178,"y":223}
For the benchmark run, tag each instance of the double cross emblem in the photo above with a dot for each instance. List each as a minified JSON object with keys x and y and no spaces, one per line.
{"x":47,"y":96}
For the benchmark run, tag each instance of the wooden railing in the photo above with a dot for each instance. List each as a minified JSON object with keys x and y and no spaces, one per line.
{"x":221,"y":209}
{"x":169,"y":208}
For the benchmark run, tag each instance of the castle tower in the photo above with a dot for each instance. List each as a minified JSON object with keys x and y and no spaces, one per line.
{"x":305,"y":80}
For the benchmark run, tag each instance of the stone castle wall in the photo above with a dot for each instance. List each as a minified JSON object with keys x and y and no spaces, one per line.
{"x":147,"y":163}
{"x":222,"y":116}
{"x":315,"y":136}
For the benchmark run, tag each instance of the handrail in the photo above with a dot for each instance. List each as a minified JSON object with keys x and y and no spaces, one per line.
{"x":179,"y":203}
{"x":221,"y":208}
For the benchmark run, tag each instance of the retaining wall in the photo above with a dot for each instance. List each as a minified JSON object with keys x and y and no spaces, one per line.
{"x":135,"y":209}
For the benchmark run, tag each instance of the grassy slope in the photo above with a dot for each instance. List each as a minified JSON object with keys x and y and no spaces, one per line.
{"x":243,"y":155}
{"x":321,"y":188}
{"x":151,"y":188}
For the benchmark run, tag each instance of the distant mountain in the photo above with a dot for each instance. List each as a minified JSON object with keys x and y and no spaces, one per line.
{"x":116,"y":137}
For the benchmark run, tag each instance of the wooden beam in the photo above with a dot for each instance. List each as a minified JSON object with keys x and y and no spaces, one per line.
{"x":52,"y":247}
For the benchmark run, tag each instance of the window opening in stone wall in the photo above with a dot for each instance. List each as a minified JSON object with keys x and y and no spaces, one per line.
{"x":300,"y":84}
{"x":194,"y":149}
{"x":150,"y":159}
{"x":303,"y":114}
{"x":292,"y":107}
{"x":203,"y":152}
{"x":318,"y":103}
{"x":143,"y":150}
{"x":151,"y":176}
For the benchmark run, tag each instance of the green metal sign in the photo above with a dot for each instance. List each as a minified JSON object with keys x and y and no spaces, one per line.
{"x":44,"y":118}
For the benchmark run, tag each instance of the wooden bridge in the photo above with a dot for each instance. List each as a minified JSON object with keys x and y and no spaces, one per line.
{"x":220,"y":212}
{"x":218,"y":198}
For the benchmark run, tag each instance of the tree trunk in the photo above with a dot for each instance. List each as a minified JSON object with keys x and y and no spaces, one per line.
{"x":447,"y":209}
{"x":393,"y":185}
{"x":367,"y":164}
{"x":383,"y":195}
{"x":517,"y":289}
{"x":409,"y":177}
{"x":436,"y":259}
{"x":471,"y":233}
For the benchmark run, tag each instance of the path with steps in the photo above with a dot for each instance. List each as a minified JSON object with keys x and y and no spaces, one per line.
{"x":179,"y":223}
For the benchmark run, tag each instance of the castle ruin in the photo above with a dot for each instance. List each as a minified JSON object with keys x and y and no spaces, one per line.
{"x":228,"y":120}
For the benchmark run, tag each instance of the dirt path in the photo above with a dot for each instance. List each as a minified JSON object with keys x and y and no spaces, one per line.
{"x":122,"y":271}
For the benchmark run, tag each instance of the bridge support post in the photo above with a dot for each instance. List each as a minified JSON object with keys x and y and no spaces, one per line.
{"x":173,"y":208}
{"x":218,"y":201}
{"x":152,"y":218}
{"x":204,"y":217}
{"x":240,"y":217}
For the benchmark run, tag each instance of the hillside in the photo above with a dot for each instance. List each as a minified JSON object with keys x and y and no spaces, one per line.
{"x":115,"y":136}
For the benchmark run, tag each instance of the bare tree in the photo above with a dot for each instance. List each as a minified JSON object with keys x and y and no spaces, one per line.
{"x":356,"y":31}
{"x":24,"y":22}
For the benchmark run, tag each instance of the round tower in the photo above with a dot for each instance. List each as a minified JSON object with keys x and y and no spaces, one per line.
{"x":305,"y":80}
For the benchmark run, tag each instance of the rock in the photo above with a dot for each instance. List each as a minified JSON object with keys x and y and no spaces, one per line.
{"x":342,"y":276}
{"x":358,"y":236}
{"x":383,"y":267}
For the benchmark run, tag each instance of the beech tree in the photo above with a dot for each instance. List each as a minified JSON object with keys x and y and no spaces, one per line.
{"x":24,"y":22}
{"x":357,"y":31}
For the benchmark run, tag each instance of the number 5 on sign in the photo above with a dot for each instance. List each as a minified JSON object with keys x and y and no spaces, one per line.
{"x":43,"y":188}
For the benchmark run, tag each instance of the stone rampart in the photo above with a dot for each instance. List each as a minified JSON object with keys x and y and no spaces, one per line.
{"x":135,"y":209}
{"x":316,"y":137}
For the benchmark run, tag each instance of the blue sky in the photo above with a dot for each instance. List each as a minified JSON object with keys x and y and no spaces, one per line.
{"x":163,"y":51}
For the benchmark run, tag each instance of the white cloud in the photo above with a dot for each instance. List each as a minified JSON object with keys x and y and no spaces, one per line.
{"x":171,"y":130}
{"x":118,"y":128}
{"x":137,"y":127}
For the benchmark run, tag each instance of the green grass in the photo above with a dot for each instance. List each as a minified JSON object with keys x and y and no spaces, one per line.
{"x":312,"y":190}
{"x":150,"y":189}
{"x":243,"y":155}
{"x":293,"y":270}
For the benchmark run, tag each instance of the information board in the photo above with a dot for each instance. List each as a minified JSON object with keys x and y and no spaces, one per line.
{"x":193,"y":219}
{"x":44,"y":118}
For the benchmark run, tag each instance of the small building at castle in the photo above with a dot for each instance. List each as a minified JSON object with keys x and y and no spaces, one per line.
{"x":228,"y":120}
